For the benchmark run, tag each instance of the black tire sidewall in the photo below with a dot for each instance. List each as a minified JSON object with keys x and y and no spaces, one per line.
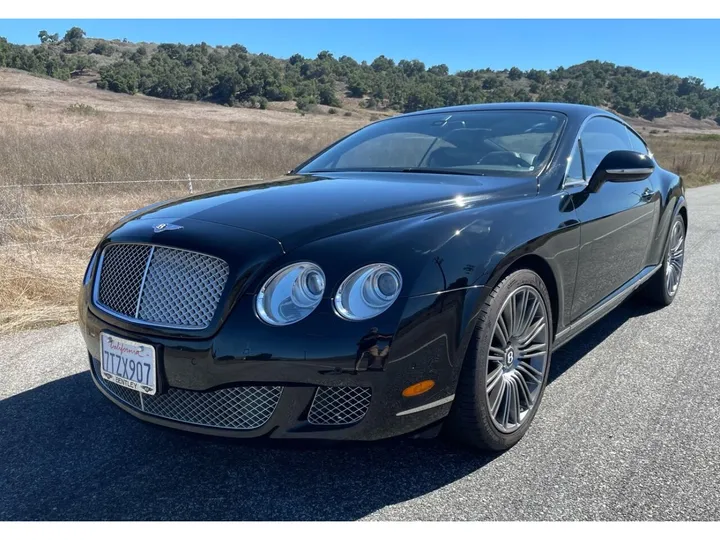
{"x":491,"y":436}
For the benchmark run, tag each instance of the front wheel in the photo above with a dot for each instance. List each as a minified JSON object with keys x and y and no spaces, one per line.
{"x":506,"y":366}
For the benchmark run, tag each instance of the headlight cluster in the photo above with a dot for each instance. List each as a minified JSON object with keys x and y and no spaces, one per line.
{"x":292,"y":293}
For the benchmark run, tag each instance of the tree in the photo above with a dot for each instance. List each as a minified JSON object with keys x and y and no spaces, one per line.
{"x":327,"y":96}
{"x":358,"y":85}
{"x":522,"y":95}
{"x":700,"y":111}
{"x":539,"y":76}
{"x":381,"y":63}
{"x":103,"y":48}
{"x":74,"y":39}
{"x":82,"y":63}
{"x":47,"y":38}
{"x":411,"y":68}
{"x":421,"y":97}
{"x":491,"y":82}
{"x":441,"y":70}
{"x":515,"y":74}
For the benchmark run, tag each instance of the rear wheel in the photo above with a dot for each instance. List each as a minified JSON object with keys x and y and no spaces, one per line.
{"x":662,"y":288}
{"x":506,"y":366}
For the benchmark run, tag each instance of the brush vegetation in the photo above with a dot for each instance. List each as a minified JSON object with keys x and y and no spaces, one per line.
{"x":234,"y":76}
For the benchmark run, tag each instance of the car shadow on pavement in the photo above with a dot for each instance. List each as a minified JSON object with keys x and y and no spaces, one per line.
{"x":566,"y":356}
{"x":68,"y":453}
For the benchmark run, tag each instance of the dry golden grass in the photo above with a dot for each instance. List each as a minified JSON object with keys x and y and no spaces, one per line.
{"x":696,"y":157}
{"x":64,"y":133}
{"x":53,"y":132}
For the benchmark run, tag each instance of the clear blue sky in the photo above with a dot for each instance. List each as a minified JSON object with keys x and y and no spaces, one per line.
{"x":681,"y":47}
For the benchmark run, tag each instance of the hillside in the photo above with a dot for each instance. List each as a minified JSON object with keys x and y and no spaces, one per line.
{"x":236,"y":77}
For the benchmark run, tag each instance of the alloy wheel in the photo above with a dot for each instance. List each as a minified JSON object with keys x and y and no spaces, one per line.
{"x":517,"y":359}
{"x":675,"y":258}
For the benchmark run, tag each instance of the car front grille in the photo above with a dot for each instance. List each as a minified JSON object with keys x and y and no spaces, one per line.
{"x":160,"y":285}
{"x":239,"y":407}
{"x":339,"y":405}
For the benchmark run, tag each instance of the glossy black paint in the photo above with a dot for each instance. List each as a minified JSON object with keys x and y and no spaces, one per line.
{"x":621,"y":166}
{"x":452,"y":238}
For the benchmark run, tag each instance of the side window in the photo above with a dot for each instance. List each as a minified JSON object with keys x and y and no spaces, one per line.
{"x":636,"y":143}
{"x":600,"y":137}
{"x":575,"y":168}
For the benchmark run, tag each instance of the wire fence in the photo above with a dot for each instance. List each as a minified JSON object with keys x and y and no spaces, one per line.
{"x":30,"y":220}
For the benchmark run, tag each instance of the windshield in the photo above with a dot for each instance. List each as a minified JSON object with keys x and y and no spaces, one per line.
{"x":502,"y":142}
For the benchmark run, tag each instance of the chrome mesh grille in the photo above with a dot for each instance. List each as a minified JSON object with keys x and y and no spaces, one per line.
{"x":131,"y":397}
{"x":339,"y":405}
{"x":160,"y":285}
{"x":240,"y":407}
{"x":123,"y":267}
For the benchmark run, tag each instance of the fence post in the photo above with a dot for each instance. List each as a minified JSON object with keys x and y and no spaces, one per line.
{"x":23,"y":203}
{"x":190,"y":184}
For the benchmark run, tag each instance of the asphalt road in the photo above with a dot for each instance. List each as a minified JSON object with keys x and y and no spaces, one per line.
{"x":629,"y":429}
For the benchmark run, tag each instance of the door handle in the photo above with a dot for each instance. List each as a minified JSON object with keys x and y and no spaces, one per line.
{"x":647,"y":194}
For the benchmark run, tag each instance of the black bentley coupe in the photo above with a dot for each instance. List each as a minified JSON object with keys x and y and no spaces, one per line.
{"x":416,"y":274}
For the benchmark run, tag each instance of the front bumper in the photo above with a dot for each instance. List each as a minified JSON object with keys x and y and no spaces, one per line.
{"x":202,"y":369}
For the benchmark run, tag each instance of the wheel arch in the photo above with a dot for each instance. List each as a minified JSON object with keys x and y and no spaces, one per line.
{"x":681,"y":210}
{"x":511,"y":263}
{"x":536,"y":263}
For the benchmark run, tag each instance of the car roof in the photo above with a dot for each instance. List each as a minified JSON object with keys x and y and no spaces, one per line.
{"x":572,"y":110}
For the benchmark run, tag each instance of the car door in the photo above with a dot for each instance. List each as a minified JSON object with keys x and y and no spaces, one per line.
{"x":616,"y":222}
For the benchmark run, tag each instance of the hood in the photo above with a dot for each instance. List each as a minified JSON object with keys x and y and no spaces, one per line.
{"x":300,"y":209}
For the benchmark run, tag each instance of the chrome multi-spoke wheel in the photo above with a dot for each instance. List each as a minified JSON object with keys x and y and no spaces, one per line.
{"x":517,"y":359}
{"x":506,"y":364}
{"x":675,"y":257}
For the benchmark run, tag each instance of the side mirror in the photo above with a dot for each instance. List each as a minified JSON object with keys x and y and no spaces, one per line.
{"x":622,"y":166}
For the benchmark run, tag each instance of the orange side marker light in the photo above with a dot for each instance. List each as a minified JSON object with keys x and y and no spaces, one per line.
{"x":418,"y":388}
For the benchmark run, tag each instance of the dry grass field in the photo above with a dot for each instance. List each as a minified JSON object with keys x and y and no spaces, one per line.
{"x":75,"y":137}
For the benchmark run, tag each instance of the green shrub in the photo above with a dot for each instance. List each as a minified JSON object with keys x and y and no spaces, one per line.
{"x":303,"y":104}
{"x":332,"y":111}
{"x":102,"y":48}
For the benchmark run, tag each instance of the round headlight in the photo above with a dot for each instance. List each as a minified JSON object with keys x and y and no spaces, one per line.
{"x":367,"y":292}
{"x":291,"y":294}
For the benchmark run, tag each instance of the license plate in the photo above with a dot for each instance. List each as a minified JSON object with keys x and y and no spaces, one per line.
{"x":128,"y":363}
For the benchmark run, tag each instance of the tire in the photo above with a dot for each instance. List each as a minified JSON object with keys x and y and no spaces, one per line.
{"x":476,"y":417}
{"x":658,"y":290}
